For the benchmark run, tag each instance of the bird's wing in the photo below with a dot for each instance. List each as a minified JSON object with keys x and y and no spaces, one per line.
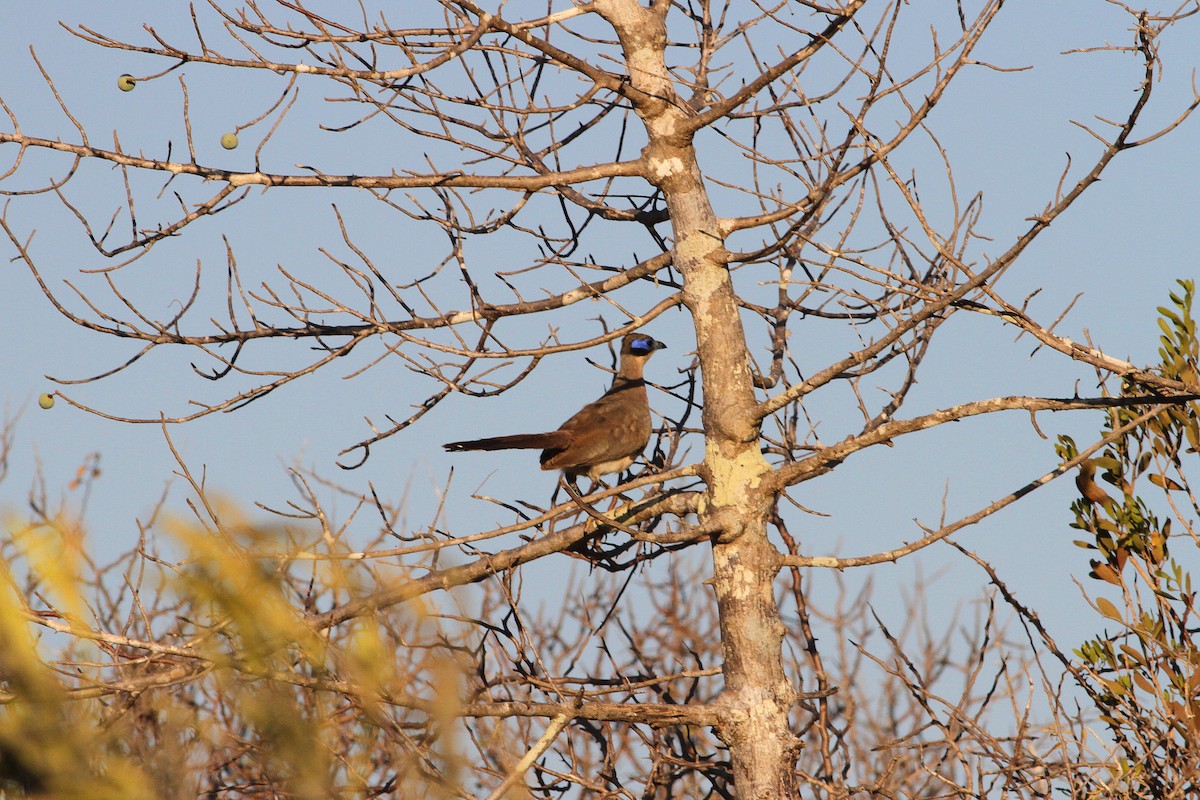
{"x":615,"y":426}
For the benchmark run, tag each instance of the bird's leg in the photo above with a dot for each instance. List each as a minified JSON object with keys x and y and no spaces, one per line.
{"x":567,"y":482}
{"x":618,"y":498}
{"x":607,"y":522}
{"x":571,"y":487}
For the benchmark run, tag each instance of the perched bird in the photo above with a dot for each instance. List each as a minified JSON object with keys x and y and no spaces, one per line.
{"x":604,"y":436}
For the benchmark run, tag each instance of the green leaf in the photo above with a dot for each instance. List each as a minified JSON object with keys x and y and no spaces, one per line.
{"x":1169,"y":314}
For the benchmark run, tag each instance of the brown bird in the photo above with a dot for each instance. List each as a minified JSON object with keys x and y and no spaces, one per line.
{"x":604,"y":436}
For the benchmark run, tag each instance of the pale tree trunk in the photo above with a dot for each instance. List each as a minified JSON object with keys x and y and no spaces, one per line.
{"x":757,"y":696}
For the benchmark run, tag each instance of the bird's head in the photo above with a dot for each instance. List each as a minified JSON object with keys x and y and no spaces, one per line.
{"x":640,"y":345}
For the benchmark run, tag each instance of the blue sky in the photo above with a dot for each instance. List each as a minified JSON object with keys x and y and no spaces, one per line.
{"x":1121,"y":247}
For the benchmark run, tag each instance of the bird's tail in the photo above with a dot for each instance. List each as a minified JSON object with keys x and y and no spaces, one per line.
{"x":553,"y":440}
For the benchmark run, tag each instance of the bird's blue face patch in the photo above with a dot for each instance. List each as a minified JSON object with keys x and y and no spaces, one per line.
{"x":641,"y":346}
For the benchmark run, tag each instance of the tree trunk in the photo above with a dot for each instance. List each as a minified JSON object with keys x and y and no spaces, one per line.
{"x":757,"y":697}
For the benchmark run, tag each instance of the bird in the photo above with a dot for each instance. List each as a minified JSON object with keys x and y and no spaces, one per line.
{"x":604,"y":436}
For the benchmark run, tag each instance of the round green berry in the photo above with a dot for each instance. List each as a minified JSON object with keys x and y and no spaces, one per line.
{"x":46,"y":400}
{"x":229,"y":141}
{"x":126,"y":82}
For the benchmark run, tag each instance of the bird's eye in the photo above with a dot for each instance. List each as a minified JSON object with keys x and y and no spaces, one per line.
{"x":641,"y":345}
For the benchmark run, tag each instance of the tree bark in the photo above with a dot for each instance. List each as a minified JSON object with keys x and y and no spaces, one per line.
{"x":757,"y":697}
